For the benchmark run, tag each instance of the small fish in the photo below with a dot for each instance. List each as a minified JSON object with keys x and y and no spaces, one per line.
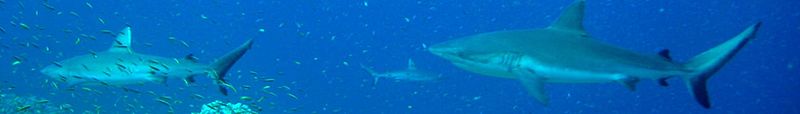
{"x":17,"y":61}
{"x":20,"y":4}
{"x":87,"y":36}
{"x":85,"y":67}
{"x":77,"y":77}
{"x":168,"y":98}
{"x":101,"y":21}
{"x":23,"y":108}
{"x":131,"y":90}
{"x":58,"y":64}
{"x":46,"y":49}
{"x":286,"y":87}
{"x":34,"y":45}
{"x":197,"y":96}
{"x":154,"y":68}
{"x":163,"y":102}
{"x":121,"y":66}
{"x":245,"y":98}
{"x":94,"y":54}
{"x":292,"y":96}
{"x":107,"y":32}
{"x":40,"y":27}
{"x":77,"y":40}
{"x":260,"y":99}
{"x":152,"y":93}
{"x":87,"y":89}
{"x":254,"y":73}
{"x":2,"y":29}
{"x":54,"y":85}
{"x":42,"y":101}
{"x":89,"y":5}
{"x":153,"y":61}
{"x":164,"y":65}
{"x":74,"y":14}
{"x":48,"y":6}
{"x":24,"y":26}
{"x":184,"y":44}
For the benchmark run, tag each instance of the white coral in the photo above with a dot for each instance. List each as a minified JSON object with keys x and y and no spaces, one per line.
{"x":219,"y":107}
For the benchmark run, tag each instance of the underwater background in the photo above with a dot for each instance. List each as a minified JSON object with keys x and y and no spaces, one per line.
{"x":307,"y":54}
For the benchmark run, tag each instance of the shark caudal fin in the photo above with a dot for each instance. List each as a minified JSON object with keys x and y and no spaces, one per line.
{"x":703,"y":66}
{"x":221,"y":66}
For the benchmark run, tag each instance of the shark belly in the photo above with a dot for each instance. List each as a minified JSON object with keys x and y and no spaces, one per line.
{"x":566,"y":75}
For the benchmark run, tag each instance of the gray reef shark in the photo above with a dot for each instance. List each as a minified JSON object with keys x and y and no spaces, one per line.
{"x":120,"y":65}
{"x":565,"y":53}
{"x":411,"y":73}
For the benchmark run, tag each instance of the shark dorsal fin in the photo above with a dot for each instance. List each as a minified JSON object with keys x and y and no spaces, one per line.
{"x":571,"y":19}
{"x":411,"y":65}
{"x":123,"y":41}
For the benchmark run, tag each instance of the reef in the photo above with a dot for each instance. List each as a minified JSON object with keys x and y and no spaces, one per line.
{"x":219,"y":107}
{"x":11,"y":103}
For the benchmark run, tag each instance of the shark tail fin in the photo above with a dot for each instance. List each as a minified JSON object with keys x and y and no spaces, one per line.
{"x":371,"y":73}
{"x":704,"y":65}
{"x":223,"y":64}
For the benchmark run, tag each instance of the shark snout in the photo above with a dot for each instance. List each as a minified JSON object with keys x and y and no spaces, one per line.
{"x":444,"y":51}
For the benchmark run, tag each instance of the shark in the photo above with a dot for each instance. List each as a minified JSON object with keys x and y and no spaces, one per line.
{"x":564,"y":53}
{"x":411,"y":73}
{"x":120,"y":65}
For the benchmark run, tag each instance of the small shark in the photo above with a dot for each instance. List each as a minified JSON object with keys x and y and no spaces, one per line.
{"x":411,"y":73}
{"x":120,"y":65}
{"x":565,"y":53}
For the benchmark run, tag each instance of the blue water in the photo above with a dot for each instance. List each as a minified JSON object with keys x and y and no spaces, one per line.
{"x":306,"y":43}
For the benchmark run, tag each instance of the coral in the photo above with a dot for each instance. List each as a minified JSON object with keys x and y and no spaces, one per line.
{"x":10,"y":103}
{"x":219,"y":107}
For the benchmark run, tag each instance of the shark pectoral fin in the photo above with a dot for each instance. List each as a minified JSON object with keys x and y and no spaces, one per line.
{"x":369,"y":70}
{"x":535,"y":86}
{"x":71,"y":84}
{"x":629,"y":82}
{"x":375,"y":81}
{"x":159,"y":79}
{"x":663,"y":82}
